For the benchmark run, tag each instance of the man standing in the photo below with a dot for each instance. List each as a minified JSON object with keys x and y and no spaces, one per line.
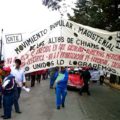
{"x":39,"y":74}
{"x":61,"y":89}
{"x":20,"y":80}
{"x":101,"y":77}
{"x":86,"y":78}
{"x":33,"y":78}
{"x":8,"y":86}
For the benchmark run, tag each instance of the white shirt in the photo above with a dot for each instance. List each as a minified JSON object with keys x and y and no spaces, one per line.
{"x":101,"y":73}
{"x":19,"y":76}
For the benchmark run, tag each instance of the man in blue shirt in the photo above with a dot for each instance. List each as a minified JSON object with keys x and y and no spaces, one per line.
{"x":61,"y":89}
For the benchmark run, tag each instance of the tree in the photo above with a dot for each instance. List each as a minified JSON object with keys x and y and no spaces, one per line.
{"x":53,"y":4}
{"x":103,"y":14}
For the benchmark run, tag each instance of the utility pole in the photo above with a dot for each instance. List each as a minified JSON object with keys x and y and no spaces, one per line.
{"x":1,"y":43}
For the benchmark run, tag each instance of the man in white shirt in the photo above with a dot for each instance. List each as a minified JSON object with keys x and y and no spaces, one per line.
{"x":101,"y":76}
{"x":20,"y":81}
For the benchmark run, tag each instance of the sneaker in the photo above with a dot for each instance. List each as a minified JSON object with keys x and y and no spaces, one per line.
{"x":2,"y":116}
{"x":58,"y":107}
{"x":51,"y":87}
{"x":80,"y":94}
{"x":63,"y":105}
{"x":6,"y":117}
{"x":19,"y":112}
{"x":89,"y":94}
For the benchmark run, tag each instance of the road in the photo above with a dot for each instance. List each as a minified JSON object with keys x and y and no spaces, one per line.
{"x":39,"y":104}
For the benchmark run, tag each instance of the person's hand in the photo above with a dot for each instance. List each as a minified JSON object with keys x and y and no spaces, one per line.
{"x":24,"y":84}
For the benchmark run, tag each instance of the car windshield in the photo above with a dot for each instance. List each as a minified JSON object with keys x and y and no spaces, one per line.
{"x":73,"y":72}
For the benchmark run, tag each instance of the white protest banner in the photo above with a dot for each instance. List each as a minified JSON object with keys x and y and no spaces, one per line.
{"x":65,"y":43}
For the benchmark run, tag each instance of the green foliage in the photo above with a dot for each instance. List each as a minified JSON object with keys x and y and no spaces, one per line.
{"x":52,"y":4}
{"x":101,"y":14}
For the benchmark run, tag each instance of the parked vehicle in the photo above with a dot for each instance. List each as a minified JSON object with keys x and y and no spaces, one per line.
{"x":95,"y":75}
{"x":75,"y":79}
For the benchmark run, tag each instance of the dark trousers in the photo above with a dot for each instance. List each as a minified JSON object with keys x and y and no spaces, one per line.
{"x":7,"y":104}
{"x":0,"y":100}
{"x":85,"y":88}
{"x":0,"y":96}
{"x":39,"y":78}
{"x":32,"y":80}
{"x":44,"y":76}
{"x":16,"y":99}
{"x":101,"y":80}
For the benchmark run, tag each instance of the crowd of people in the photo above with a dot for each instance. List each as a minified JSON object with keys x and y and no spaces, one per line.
{"x":37,"y":76}
{"x":12,"y":80}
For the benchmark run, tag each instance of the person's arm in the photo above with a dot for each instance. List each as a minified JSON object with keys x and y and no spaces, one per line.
{"x":24,"y":79}
{"x":65,"y":78}
{"x":5,"y":83}
{"x":56,"y":75}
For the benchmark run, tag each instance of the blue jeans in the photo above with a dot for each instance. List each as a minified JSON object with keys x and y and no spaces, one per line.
{"x":16,"y":98}
{"x":7,"y":104}
{"x":0,"y":100}
{"x":60,"y":96}
{"x":52,"y":80}
{"x":0,"y":96}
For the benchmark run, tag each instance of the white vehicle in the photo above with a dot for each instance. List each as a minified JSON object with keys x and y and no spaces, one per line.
{"x":95,"y":75}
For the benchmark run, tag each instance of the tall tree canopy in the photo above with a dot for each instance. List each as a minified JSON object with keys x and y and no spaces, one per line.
{"x":54,"y":4}
{"x":103,"y":14}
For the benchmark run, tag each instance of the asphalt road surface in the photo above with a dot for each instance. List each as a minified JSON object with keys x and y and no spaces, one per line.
{"x":39,"y":104}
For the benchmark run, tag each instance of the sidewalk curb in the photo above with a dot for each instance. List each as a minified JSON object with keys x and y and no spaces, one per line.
{"x":115,"y":86}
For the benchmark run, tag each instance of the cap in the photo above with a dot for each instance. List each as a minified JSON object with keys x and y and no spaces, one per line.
{"x":7,"y":69}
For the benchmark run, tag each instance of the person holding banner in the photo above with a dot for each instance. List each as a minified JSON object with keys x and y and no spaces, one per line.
{"x":61,"y":88}
{"x":8,"y":86}
{"x":20,"y":80}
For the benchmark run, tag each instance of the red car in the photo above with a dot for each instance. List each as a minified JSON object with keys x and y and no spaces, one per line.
{"x":75,"y":80}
